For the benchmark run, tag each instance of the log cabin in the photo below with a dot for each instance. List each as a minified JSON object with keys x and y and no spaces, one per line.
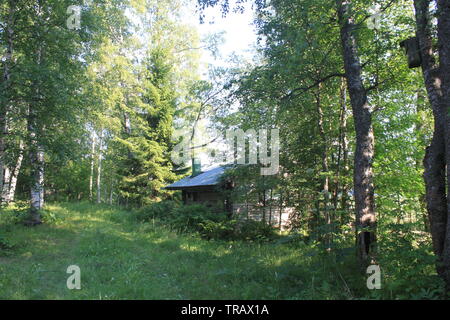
{"x":209,"y":188}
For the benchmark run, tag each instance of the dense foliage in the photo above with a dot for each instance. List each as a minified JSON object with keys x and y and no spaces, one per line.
{"x":90,"y":112}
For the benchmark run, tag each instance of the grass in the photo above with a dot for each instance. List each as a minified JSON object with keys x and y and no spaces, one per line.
{"x":122,"y":259}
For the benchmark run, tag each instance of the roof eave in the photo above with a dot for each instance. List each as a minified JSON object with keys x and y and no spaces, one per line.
{"x":191,"y":187}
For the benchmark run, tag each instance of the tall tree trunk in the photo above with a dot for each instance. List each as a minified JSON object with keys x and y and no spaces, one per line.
{"x":99,"y":168}
{"x":270,"y":206}
{"x":5,"y":102}
{"x":342,"y":153}
{"x":91,"y":176}
{"x":111,"y":192}
{"x":36,"y":155}
{"x":325,"y":186}
{"x":280,"y":210}
{"x":444,"y":60}
{"x":419,"y":129}
{"x":263,"y":200}
{"x":15,"y":173}
{"x":434,"y":161}
{"x":363,"y":173}
{"x":37,"y":169}
{"x":6,"y":187}
{"x":342,"y":157}
{"x":36,"y":150}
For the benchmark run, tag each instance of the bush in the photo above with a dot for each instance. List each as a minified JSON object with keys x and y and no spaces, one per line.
{"x":223,"y":230}
{"x":191,"y":217}
{"x":248,"y":230}
{"x":199,"y":218}
{"x":5,"y":246}
{"x":408,"y":264}
{"x":51,"y":217}
{"x":252,"y":230}
{"x":13,"y":215}
{"x":160,"y":210}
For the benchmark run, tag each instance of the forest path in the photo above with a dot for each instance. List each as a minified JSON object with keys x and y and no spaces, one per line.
{"x":121,"y":259}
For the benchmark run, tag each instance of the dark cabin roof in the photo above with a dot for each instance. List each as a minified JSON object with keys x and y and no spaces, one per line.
{"x":208,"y":178}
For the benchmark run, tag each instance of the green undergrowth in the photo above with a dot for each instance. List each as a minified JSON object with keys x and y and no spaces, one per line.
{"x":122,"y":257}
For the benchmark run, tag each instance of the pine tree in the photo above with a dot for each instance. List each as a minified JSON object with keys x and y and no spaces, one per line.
{"x":147,"y":168}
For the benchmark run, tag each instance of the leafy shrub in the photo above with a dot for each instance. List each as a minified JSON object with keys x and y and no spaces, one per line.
{"x":160,"y":210}
{"x":51,"y":217}
{"x":224,"y":230}
{"x":12,"y":216}
{"x":408,"y":264}
{"x":248,"y":230}
{"x":294,"y":239}
{"x":5,"y":246}
{"x":199,"y":218}
{"x":191,"y":217}
{"x":122,"y":217}
{"x":252,"y":230}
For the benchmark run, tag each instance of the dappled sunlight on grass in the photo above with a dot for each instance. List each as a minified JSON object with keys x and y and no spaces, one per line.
{"x":188,"y":247}
{"x":122,"y":259}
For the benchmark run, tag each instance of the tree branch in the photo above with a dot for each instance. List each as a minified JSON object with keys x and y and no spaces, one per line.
{"x":315,"y":84}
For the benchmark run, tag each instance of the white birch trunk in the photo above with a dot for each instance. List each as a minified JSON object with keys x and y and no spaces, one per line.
{"x":91,"y":177}
{"x":15,"y":173}
{"x":36,"y":152}
{"x":5,"y":108}
{"x":37,"y":170}
{"x":37,"y":186}
{"x":99,"y":170}
{"x":5,"y":184}
{"x":111,"y":193}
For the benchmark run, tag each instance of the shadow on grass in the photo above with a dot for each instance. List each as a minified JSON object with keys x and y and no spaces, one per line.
{"x":122,"y":260}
